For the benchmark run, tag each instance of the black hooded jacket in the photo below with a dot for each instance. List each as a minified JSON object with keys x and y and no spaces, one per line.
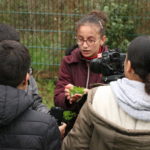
{"x":23,"y":128}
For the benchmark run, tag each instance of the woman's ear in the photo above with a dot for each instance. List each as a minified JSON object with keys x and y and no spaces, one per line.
{"x":103,"y":40}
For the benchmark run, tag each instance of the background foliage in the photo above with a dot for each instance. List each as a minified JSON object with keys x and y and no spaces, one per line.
{"x":121,"y":28}
{"x":47,"y":26}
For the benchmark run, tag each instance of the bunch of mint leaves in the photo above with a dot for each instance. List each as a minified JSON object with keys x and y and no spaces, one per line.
{"x":76,"y":90}
{"x":68,"y":115}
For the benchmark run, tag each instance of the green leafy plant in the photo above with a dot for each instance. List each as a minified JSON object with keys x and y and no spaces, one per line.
{"x":46,"y":91}
{"x":68,"y":115}
{"x":121,"y":25}
{"x":76,"y":90}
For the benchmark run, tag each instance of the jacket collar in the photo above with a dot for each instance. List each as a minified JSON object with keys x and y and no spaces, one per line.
{"x":76,"y":56}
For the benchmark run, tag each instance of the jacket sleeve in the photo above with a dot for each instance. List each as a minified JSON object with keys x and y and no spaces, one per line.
{"x":33,"y":90}
{"x":53,"y":138}
{"x":79,"y":136}
{"x":64,"y":79}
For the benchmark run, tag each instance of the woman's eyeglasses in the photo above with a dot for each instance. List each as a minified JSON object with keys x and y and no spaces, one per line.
{"x":89,"y":42}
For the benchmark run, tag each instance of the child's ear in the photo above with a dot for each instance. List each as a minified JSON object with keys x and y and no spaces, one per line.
{"x":130,"y":73}
{"x":27,"y":76}
{"x":129,"y":68}
{"x":24,"y":83}
{"x":26,"y":80}
{"x":103,"y":40}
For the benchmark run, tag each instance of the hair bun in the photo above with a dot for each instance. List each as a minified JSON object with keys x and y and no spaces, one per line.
{"x":99,"y":14}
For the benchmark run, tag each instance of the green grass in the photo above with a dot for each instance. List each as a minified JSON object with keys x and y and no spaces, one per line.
{"x":46,"y":90}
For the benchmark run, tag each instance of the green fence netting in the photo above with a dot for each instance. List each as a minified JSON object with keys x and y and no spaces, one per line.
{"x":47,"y":27}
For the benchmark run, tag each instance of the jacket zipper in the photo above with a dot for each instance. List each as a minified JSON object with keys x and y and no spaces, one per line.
{"x":88,"y":75}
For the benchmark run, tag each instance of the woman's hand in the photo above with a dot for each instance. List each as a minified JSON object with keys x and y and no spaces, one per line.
{"x":67,"y":91}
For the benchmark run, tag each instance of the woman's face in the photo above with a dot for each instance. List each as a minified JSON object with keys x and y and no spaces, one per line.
{"x":89,"y":40}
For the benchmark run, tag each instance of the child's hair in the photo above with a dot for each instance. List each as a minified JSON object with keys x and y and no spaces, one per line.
{"x":98,"y":18}
{"x":8,"y":32}
{"x":139,"y":55}
{"x":14,"y":62}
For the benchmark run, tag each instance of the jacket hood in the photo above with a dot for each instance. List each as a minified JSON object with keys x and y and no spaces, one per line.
{"x":12,"y":103}
{"x":132,"y":98}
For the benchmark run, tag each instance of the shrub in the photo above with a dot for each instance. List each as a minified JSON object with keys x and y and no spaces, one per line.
{"x":120,"y":26}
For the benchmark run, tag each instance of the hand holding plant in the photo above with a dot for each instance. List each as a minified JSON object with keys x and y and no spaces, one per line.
{"x":74,"y":93}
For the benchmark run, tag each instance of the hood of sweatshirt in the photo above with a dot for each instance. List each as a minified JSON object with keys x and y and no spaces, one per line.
{"x":132,"y":98}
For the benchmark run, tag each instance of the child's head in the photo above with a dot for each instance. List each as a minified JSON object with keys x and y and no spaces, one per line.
{"x":14,"y":63}
{"x":90,"y":33}
{"x":8,"y":33}
{"x":138,"y":58}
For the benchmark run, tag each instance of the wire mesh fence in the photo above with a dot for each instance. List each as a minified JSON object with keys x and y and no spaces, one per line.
{"x":47,"y":27}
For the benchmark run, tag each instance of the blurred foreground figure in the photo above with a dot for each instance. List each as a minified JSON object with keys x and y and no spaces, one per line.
{"x":21,"y":127}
